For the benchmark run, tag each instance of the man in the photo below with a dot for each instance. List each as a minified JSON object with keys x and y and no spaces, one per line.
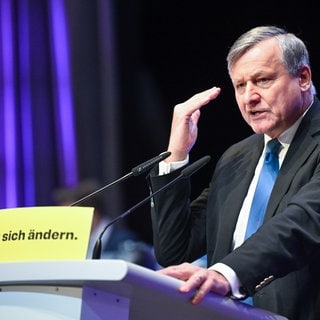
{"x":278,"y":265}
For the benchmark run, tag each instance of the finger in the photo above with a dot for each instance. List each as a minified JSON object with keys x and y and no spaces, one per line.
{"x":165,"y":271}
{"x":202,"y":98}
{"x":175,"y":272}
{"x":196,"y":102}
{"x":195,"y":116}
{"x":183,"y":271}
{"x":195,"y":281}
{"x":200,"y":294}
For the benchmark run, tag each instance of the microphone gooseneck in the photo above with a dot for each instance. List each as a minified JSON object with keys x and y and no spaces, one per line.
{"x":136,"y":171}
{"x":128,"y":175}
{"x":185,"y":173}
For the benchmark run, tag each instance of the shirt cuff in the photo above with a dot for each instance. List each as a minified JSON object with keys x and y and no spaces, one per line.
{"x":167,"y":167}
{"x":232,"y":278}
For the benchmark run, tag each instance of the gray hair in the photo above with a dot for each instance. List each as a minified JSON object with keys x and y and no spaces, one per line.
{"x":294,"y":51}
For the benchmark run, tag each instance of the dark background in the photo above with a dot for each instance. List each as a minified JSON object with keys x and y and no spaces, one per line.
{"x":180,"y":49}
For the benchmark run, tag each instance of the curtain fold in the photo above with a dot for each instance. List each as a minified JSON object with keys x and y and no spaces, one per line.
{"x":76,"y":101}
{"x":41,"y":145}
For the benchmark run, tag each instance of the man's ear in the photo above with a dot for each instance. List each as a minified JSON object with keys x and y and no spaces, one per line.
{"x":305,"y":78}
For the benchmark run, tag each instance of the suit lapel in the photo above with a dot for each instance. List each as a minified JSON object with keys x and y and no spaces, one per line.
{"x":300,"y":149}
{"x":240,"y":174}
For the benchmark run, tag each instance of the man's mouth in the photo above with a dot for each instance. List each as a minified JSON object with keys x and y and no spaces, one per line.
{"x":256,"y":113}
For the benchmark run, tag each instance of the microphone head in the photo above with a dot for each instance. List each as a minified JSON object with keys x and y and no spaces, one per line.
{"x":148,"y":165}
{"x":190,"y":170}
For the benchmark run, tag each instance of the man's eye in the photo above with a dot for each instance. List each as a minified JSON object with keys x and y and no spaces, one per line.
{"x":263,"y":81}
{"x":240,"y":88}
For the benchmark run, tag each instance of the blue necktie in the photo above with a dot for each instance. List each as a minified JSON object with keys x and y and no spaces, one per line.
{"x":264,"y":187}
{"x":263,"y":190}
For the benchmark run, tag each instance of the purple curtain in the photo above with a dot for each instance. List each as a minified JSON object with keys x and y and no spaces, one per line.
{"x":48,"y":108}
{"x":77,"y":101}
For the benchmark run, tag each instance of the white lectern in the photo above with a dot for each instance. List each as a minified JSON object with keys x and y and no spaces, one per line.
{"x":106,"y":289}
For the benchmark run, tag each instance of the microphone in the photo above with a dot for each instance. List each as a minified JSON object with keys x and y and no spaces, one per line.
{"x":136,"y":171}
{"x":185,"y":173}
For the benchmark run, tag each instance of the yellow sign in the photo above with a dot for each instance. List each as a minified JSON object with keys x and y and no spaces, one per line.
{"x":45,"y":233}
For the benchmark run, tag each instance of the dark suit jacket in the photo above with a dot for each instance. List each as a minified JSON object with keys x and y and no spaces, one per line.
{"x":279,"y":265}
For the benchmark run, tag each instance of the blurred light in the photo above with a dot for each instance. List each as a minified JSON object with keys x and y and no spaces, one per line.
{"x":8,"y":110}
{"x":64,"y":104}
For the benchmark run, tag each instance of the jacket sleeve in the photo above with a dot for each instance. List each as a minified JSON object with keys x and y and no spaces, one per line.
{"x":178,"y":228}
